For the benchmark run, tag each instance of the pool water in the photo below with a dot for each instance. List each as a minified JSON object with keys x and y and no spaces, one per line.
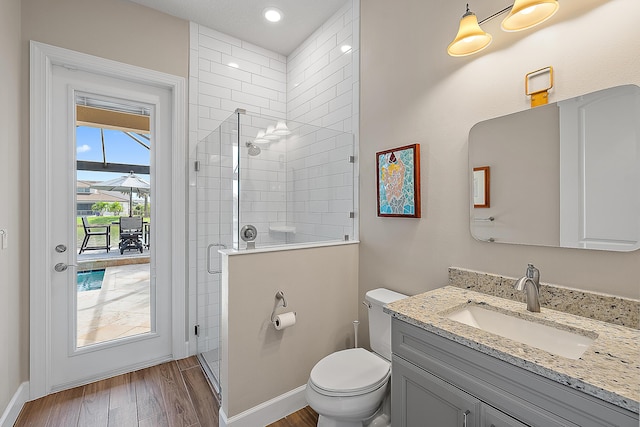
{"x":90,"y":280}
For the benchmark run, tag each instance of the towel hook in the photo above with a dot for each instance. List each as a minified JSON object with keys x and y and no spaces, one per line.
{"x":279,"y":297}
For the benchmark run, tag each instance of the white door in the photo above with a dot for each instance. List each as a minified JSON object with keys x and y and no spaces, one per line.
{"x":600,"y":170}
{"x":73,"y":360}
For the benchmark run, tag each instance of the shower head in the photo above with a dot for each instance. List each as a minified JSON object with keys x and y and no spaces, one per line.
{"x":254,"y":150}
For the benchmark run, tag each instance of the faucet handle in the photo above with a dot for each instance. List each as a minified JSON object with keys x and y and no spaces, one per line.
{"x":533,"y":273}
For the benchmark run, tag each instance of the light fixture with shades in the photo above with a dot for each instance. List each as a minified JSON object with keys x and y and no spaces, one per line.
{"x":523,"y":14}
{"x":281,"y":129}
{"x":529,"y":13}
{"x":269,"y":134}
{"x":470,"y":38}
{"x":260,"y":139}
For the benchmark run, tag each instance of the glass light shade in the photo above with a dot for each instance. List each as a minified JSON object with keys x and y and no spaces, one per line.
{"x":470,"y":38}
{"x":260,"y":139}
{"x":529,"y":13}
{"x":269,"y":133}
{"x":281,"y":129}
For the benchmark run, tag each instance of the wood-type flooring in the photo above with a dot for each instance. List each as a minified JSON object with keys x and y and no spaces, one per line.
{"x":170,"y":394}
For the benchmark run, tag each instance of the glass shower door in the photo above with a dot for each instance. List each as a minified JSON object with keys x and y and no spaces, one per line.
{"x":214,"y":232}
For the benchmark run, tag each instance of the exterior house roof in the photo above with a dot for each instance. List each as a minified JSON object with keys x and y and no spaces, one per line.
{"x":99,"y":195}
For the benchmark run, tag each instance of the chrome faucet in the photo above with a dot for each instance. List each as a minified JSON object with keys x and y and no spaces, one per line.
{"x":530,"y":283}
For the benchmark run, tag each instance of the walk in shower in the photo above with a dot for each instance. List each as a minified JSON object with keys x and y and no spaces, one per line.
{"x":265,"y":182}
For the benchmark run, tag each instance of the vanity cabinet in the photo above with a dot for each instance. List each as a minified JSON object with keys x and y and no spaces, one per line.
{"x":491,"y":417}
{"x":427,"y":400}
{"x":438,"y":382}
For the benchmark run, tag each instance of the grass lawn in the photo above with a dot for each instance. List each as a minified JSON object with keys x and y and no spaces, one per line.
{"x":100,"y":220}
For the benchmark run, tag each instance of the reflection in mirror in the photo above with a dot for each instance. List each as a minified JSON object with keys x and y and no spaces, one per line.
{"x":565,"y":174}
{"x":481,"y":191}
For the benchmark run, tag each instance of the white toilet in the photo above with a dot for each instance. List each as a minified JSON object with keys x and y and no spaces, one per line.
{"x":350,"y":388}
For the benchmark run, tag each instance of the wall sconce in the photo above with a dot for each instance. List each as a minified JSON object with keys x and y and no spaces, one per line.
{"x":260,"y":139}
{"x":281,"y":129}
{"x":523,"y":14}
{"x":470,"y":38}
{"x":272,"y":133}
{"x":269,"y":133}
{"x":529,"y":13}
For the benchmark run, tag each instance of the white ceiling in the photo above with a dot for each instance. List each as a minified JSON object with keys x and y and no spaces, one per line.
{"x":244,"y":19}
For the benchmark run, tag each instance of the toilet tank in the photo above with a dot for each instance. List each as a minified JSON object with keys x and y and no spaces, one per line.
{"x":379,"y":321}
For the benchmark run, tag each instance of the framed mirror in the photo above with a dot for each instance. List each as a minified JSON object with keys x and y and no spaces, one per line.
{"x":565,"y":174}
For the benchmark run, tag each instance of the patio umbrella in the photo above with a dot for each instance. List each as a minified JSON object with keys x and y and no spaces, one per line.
{"x":125,"y":184}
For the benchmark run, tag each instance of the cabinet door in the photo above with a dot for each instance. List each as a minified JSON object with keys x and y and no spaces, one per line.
{"x":492,"y":417}
{"x":421,"y":399}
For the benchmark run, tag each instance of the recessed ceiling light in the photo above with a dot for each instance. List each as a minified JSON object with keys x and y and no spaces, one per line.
{"x":272,"y":14}
{"x":345,"y":48}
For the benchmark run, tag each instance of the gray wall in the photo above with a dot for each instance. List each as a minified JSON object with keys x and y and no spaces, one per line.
{"x":412,"y":91}
{"x":14,"y":356}
{"x":259,"y":363}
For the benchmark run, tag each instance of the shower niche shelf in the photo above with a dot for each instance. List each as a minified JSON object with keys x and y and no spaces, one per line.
{"x":282,"y":229}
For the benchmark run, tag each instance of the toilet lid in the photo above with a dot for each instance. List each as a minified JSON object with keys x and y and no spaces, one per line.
{"x":350,"y":371}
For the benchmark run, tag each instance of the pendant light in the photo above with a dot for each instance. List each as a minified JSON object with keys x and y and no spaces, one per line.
{"x":470,"y":38}
{"x":529,"y":13}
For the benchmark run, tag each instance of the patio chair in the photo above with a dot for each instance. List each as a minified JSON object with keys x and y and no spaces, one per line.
{"x":95,"y":230}
{"x":130,"y":233}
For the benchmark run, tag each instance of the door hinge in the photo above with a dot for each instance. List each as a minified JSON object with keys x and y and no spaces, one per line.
{"x":196,"y":165}
{"x":351,"y":159}
{"x":196,"y":330}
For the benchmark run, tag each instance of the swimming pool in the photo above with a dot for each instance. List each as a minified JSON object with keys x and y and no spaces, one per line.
{"x":90,"y":280}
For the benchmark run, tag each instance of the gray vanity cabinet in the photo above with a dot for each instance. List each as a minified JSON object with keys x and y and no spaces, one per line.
{"x":426,"y":400}
{"x":491,"y":417}
{"x":441,"y":383}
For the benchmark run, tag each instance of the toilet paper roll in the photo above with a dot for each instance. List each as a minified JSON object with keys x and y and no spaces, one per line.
{"x":284,"y":320}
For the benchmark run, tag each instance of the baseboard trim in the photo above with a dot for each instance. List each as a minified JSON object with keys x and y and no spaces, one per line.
{"x":11,"y":412}
{"x":269,"y":411}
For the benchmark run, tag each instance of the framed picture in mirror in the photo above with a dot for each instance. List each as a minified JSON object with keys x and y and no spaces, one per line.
{"x":481,"y":187}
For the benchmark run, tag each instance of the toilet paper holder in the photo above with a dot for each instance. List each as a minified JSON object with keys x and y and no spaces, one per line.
{"x":279,"y":298}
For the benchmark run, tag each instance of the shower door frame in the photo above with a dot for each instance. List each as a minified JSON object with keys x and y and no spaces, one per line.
{"x":213,"y":244}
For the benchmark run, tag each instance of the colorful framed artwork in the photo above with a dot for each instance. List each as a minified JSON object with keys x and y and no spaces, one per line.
{"x":481,"y":190}
{"x":398,"y":181}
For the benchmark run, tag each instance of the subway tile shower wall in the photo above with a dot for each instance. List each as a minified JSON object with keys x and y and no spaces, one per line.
{"x":307,"y":184}
{"x":320,"y":76}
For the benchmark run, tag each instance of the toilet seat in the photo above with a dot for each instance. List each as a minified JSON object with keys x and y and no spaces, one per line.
{"x":350,"y":372}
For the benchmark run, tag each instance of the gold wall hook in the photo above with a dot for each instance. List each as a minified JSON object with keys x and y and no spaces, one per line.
{"x":540,"y":96}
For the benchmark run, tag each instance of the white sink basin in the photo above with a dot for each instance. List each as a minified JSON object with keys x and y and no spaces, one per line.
{"x":557,"y":341}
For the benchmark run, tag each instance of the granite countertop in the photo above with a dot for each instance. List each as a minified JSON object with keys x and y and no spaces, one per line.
{"x":608,"y":370}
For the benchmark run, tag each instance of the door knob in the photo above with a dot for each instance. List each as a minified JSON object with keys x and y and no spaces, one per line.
{"x":61,"y":266}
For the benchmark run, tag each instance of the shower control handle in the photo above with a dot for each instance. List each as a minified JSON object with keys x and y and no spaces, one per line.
{"x":248,"y":233}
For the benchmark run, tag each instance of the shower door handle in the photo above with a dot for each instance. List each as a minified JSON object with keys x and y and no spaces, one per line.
{"x":212,"y":245}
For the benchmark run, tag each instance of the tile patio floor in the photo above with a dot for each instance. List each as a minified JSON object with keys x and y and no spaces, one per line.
{"x":121,"y":308}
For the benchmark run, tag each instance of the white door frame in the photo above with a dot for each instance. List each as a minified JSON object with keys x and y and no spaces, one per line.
{"x":43,"y":58}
